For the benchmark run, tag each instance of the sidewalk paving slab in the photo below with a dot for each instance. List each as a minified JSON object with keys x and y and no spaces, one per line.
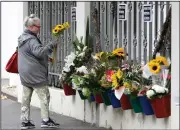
{"x":10,"y":118}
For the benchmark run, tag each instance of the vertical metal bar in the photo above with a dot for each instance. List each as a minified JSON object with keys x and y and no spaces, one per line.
{"x":125,"y":33}
{"x":115,"y":26}
{"x":156,"y":23}
{"x":31,"y":7}
{"x":134,"y":32}
{"x":129,"y":27}
{"x":139,"y":27}
{"x":105,"y":36}
{"x":42,"y":22}
{"x":49,"y":38}
{"x":68,"y":17}
{"x":69,"y":30}
{"x":62,"y":36}
{"x":65,"y":32}
{"x":102,"y":9}
{"x":145,"y":41}
{"x":120,"y":28}
{"x":110,"y":25}
{"x":150,"y":38}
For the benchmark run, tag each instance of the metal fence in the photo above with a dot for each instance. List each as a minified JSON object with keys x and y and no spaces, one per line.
{"x":133,"y":25}
{"x":51,"y":14}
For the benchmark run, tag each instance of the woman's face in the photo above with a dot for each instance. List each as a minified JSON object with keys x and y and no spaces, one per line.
{"x":36,"y":27}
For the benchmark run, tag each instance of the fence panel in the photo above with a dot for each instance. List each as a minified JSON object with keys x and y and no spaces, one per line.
{"x":136,"y":26}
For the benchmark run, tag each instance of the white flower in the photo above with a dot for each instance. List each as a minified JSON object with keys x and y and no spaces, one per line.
{"x":81,"y":54}
{"x":159,"y":89}
{"x":78,"y":47}
{"x":86,"y":92}
{"x":82,"y":69}
{"x":77,"y":52}
{"x":150,"y":93}
{"x":85,"y":47}
{"x":66,"y":69}
{"x":70,"y":58}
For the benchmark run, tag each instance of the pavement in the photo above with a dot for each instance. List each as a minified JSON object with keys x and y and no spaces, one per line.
{"x":10,"y":117}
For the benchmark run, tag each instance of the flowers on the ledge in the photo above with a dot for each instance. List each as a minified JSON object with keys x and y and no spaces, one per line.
{"x":156,"y":90}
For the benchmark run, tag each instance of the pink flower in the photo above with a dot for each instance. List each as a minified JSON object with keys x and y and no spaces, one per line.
{"x":125,"y":67}
{"x":109,"y":74}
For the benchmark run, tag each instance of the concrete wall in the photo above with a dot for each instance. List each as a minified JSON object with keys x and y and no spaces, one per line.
{"x":175,"y":40}
{"x":12,"y":21}
{"x":108,"y":117}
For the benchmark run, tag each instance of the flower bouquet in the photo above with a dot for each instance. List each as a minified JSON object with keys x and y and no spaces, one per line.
{"x":78,"y":58}
{"x":57,"y":31}
{"x":159,"y":93}
{"x":110,"y":62}
{"x":80,"y":82}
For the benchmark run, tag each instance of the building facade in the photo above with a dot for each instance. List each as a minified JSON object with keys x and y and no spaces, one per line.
{"x":133,"y":30}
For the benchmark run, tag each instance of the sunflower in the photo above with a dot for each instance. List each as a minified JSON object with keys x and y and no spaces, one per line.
{"x":55,"y":31}
{"x":154,"y":67}
{"x":162,"y":60}
{"x":119,"y":52}
{"x":66,"y":25}
{"x":119,"y":74}
{"x":60,"y":27}
{"x":115,"y":83}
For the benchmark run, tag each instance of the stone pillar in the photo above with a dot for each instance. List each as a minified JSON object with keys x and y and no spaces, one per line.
{"x":175,"y":41}
{"x":82,"y":11}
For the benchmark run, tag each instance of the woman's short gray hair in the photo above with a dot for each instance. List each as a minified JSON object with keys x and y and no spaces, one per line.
{"x":30,"y":20}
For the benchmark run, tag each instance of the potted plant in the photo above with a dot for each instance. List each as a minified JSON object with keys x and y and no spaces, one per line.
{"x":80,"y":56}
{"x":145,"y":103}
{"x":159,"y":94}
{"x":132,"y":84}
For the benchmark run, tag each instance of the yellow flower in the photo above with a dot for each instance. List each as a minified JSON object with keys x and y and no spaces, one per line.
{"x":55,"y":31}
{"x":133,"y":87}
{"x":126,"y":85}
{"x":162,"y":60}
{"x":119,"y":52}
{"x":60,"y":27}
{"x":66,"y":25}
{"x":154,"y":67}
{"x":98,"y":55}
{"x":101,"y":53}
{"x":115,"y":83}
{"x":119,"y":74}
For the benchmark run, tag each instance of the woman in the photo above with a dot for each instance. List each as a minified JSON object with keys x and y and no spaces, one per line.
{"x":33,"y":71}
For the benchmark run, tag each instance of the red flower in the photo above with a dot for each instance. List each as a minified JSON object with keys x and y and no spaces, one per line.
{"x":109,"y":74}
